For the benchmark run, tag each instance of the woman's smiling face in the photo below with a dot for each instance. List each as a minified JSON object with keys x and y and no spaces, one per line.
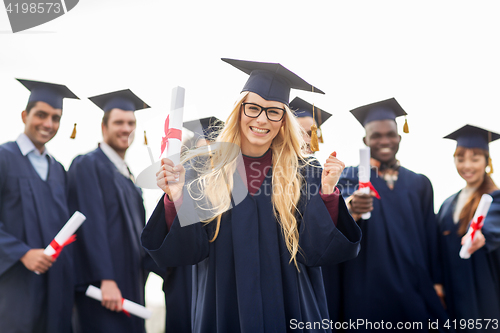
{"x":258,"y":133}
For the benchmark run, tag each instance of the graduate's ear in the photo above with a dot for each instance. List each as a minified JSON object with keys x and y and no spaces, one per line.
{"x":24,"y":115}
{"x":364,"y":141}
{"x":400,"y":137}
{"x":103,"y":128}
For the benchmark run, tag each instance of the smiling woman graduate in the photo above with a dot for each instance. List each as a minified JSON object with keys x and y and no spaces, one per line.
{"x":472,"y":286}
{"x":256,"y":261}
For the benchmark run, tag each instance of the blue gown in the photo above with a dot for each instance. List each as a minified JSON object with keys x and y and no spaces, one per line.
{"x":32,"y":212}
{"x":393,"y":276}
{"x":472,"y":286}
{"x":243,"y":282}
{"x":108,"y":242}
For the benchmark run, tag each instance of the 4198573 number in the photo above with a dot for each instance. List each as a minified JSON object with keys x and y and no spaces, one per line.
{"x":33,"y":8}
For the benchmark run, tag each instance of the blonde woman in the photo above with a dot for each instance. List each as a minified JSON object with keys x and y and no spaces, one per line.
{"x":256,"y":259}
{"x":472,"y":286}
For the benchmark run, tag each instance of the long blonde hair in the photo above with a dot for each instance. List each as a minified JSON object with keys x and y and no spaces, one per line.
{"x":287,"y":159}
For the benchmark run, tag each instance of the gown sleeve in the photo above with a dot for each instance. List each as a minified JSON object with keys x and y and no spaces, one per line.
{"x":186,"y":241}
{"x":11,"y":248}
{"x":491,"y":228}
{"x":431,"y":229}
{"x":321,"y":241}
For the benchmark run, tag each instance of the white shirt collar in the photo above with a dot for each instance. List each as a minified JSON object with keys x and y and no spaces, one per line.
{"x":115,"y":159}
{"x":26,"y":146}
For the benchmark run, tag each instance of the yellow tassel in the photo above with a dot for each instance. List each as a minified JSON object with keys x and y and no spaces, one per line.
{"x":405,"y":127}
{"x":73,"y":135}
{"x":145,"y":139}
{"x":490,"y":165}
{"x":314,"y":138}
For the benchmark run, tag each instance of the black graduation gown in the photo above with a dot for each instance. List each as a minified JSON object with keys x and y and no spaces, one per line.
{"x":472,"y":286}
{"x":243,"y":282}
{"x":393,"y":276}
{"x":32,"y":212}
{"x":109,"y":245}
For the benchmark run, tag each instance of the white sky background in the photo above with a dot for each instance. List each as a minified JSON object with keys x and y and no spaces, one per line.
{"x":439,"y":59}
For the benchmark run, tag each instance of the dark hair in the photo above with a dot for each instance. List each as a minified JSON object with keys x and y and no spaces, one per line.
{"x":486,"y":187}
{"x":30,"y":106}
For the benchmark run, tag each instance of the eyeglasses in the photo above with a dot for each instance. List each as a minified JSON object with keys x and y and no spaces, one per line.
{"x":254,"y":110}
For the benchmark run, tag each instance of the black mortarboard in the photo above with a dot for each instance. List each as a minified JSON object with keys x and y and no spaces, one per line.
{"x":387,"y":109}
{"x":473,"y":137}
{"x":50,"y":93}
{"x":204,"y":127}
{"x":271,"y":81}
{"x":304,"y":109}
{"x":124,"y":100}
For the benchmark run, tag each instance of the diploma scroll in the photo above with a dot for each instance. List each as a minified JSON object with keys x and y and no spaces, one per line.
{"x":65,"y":235}
{"x":364,"y":174}
{"x":171,"y":145}
{"x":476,"y":224}
{"x":128,"y":306}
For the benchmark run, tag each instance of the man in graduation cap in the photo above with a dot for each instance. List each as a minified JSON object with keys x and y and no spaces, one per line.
{"x":395,"y":275}
{"x":36,"y":290}
{"x":310,"y":119}
{"x":109,"y":254}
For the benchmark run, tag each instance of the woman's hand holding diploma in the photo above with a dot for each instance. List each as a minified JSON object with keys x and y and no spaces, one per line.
{"x":170,"y":178}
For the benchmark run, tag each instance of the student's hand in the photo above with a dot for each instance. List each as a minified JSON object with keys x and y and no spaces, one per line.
{"x":478,"y":242}
{"x":37,"y":261}
{"x":331,"y":173}
{"x":169,"y":173}
{"x":361,"y":203}
{"x":111,"y":295}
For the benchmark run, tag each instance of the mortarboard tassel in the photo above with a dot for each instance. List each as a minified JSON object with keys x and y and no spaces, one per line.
{"x":145,"y":139}
{"x":405,"y":127}
{"x":490,"y":163}
{"x":73,"y":134}
{"x":314,"y":136}
{"x":320,"y":138}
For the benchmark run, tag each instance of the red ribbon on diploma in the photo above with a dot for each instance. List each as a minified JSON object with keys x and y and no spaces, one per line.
{"x":476,"y":225}
{"x":170,"y":133}
{"x":123,"y":310}
{"x":369,"y":185}
{"x":58,"y":248}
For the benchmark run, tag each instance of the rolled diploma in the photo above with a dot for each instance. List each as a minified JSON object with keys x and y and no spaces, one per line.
{"x":66,"y":232}
{"x":173,"y":151}
{"x":482,"y":210}
{"x":364,"y":174}
{"x":129,"y":306}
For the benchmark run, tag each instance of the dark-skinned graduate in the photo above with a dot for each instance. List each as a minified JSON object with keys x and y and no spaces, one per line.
{"x":276,"y":217}
{"x":108,"y":254}
{"x":36,"y":290}
{"x":396,"y":277}
{"x":472,"y":286}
